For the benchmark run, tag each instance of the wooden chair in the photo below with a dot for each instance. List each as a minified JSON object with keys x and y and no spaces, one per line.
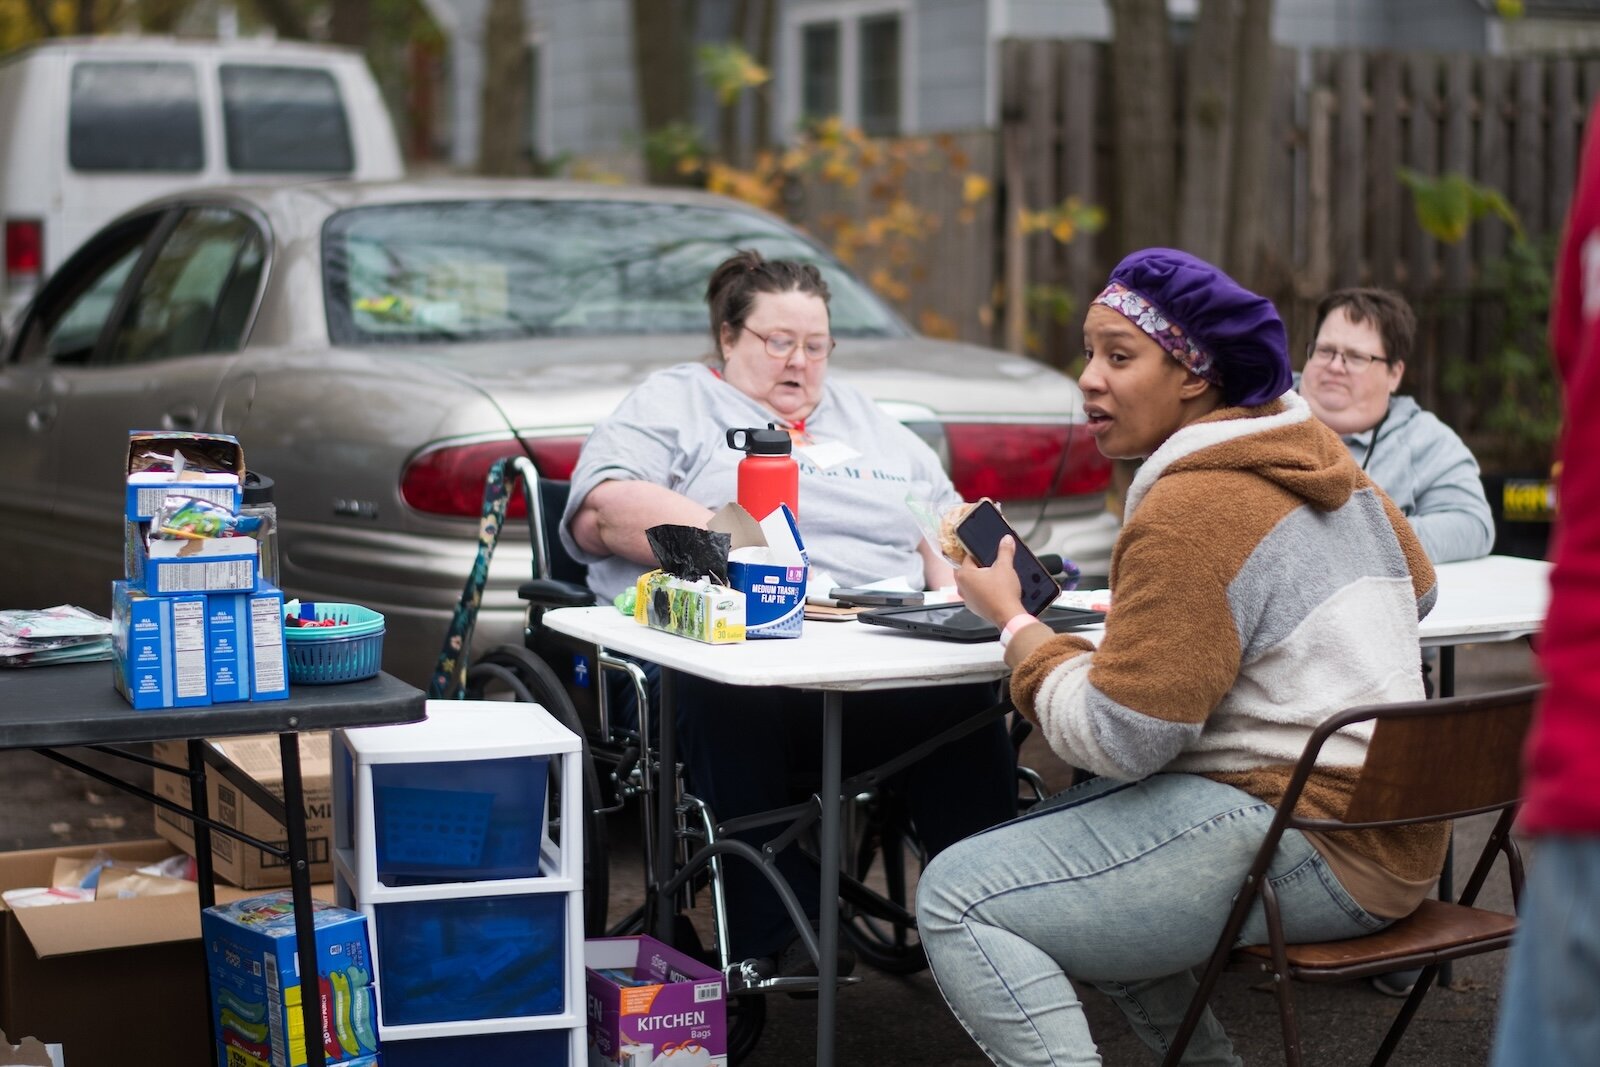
{"x":1428,"y":761}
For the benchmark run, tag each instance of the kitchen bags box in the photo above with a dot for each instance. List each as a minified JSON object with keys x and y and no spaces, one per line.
{"x":768,"y":564}
{"x":245,"y":650}
{"x":148,"y":488}
{"x":257,"y":983}
{"x":159,"y":648}
{"x":650,"y":1004}
{"x":257,"y":756}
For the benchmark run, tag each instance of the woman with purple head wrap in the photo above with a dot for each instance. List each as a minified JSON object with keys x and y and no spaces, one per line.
{"x":1261,"y":583}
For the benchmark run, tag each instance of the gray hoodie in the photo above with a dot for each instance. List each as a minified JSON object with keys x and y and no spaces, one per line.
{"x":1431,"y":476}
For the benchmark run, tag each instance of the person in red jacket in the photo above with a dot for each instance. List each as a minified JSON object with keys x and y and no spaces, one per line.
{"x":1553,"y":982}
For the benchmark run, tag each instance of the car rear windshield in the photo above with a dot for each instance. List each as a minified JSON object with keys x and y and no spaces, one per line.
{"x":134,"y":116}
{"x":284,"y":120}
{"x":497,"y":269}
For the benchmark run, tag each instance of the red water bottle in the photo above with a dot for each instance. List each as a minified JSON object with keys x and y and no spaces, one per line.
{"x":768,"y":474}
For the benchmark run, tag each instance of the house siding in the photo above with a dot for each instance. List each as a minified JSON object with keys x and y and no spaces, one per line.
{"x":589,"y":102}
{"x":952,"y":42}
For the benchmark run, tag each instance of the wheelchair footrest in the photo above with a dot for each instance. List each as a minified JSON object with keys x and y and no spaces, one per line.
{"x":746,"y":979}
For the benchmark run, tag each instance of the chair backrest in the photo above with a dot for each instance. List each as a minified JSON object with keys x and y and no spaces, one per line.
{"x":1430,"y":760}
{"x":553,"y":502}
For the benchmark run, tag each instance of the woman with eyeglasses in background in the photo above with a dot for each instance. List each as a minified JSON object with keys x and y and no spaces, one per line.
{"x":1353,"y":370}
{"x":662,"y":457}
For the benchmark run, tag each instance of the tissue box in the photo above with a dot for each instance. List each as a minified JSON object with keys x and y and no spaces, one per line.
{"x":700,"y":610}
{"x":768,"y":564}
{"x":147,"y":489}
{"x":159,"y":647}
{"x":649,"y":1004}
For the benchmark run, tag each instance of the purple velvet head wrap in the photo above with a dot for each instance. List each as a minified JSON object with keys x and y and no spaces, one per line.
{"x":1208,"y":322}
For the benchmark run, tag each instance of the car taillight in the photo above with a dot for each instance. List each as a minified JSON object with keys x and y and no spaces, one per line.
{"x":449,"y":480}
{"x":1086,"y":470}
{"x":1010,"y":461}
{"x":24,"y":249}
{"x":555,"y":456}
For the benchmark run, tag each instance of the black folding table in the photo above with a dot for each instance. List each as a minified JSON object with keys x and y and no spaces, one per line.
{"x":69,"y":705}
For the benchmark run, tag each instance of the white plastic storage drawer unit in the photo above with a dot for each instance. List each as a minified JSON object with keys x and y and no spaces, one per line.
{"x":443,"y":839}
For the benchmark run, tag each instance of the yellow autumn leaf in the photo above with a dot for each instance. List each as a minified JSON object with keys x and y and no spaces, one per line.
{"x":1063,"y":230}
{"x":974,"y":188}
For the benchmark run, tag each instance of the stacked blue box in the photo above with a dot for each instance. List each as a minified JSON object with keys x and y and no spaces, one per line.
{"x":442,"y":839}
{"x":193,"y":623}
{"x":257,"y":984}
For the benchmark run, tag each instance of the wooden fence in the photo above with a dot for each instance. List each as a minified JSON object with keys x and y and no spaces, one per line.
{"x":1343,"y":126}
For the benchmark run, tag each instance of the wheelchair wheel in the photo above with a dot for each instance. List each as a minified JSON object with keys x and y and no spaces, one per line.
{"x":513,"y":673}
{"x":883,"y":931}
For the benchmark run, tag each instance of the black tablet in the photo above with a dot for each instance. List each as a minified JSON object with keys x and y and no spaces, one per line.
{"x":953,"y":622}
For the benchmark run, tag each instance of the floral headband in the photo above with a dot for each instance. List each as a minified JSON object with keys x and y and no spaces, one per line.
{"x":1169,"y":335}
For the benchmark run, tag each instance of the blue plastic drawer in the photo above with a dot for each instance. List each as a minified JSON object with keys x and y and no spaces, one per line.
{"x":544,"y":1048}
{"x":471,"y":958}
{"x":472,"y":821}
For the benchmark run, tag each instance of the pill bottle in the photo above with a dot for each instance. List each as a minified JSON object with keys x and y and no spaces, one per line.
{"x":258,"y":504}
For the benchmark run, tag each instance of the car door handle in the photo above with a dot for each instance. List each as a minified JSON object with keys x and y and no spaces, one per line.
{"x":41,"y":415}
{"x":186,"y":417}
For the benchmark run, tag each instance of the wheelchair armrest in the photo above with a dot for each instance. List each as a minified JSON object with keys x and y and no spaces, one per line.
{"x":553,"y":593}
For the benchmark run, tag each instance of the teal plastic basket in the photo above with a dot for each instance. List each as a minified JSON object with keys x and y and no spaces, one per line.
{"x":324,"y":655}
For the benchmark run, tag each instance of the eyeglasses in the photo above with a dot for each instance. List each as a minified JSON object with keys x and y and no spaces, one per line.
{"x":781,"y":345}
{"x":1354,"y":361}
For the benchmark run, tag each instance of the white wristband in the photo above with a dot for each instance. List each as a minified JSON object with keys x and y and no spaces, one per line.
{"x":1017,"y":622}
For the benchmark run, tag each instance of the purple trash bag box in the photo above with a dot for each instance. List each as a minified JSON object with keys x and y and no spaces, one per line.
{"x":652,"y":1006}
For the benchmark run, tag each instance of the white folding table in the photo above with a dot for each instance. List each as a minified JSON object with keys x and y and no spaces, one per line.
{"x":1498,"y":598}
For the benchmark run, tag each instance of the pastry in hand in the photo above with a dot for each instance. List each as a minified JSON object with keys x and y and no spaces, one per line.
{"x":949,"y":543}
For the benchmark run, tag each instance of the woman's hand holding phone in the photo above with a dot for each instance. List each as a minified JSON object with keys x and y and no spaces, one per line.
{"x":993,"y":592}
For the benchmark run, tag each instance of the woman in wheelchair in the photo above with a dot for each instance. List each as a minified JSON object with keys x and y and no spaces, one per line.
{"x":662,"y":458}
{"x":1261,"y":583}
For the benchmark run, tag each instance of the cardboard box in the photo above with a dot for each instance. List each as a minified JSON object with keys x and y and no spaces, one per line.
{"x":257,"y":984}
{"x":245,"y":651}
{"x":158,"y":648}
{"x":701,"y":610}
{"x":645,"y":996}
{"x":768,"y":564}
{"x":92,"y":977}
{"x":257,"y":756}
{"x":147,"y":489}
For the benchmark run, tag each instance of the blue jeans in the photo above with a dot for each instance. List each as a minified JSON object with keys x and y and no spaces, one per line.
{"x":1553,"y":982}
{"x":1125,"y":886}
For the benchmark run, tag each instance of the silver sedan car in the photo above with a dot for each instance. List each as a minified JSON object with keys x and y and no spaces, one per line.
{"x":375,"y":347}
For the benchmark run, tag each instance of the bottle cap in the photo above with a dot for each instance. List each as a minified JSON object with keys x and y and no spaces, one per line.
{"x":257,"y":488}
{"x":757,"y":442}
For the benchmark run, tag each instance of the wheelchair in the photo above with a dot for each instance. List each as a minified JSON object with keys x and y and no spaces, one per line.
{"x":573,"y":682}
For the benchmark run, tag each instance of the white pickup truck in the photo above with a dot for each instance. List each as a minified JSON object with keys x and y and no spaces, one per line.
{"x":89,"y":127}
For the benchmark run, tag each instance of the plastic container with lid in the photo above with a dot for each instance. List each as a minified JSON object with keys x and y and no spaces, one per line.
{"x":258,"y":503}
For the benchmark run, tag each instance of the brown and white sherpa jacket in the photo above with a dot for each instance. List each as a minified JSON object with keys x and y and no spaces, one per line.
{"x":1261,"y":583}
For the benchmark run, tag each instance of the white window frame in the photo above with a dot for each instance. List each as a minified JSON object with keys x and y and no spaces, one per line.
{"x":847,"y":14}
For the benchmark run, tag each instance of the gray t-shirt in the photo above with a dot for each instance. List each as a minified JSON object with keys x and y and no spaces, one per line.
{"x":672,"y":429}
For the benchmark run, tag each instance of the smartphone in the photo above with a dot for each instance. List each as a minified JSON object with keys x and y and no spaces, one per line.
{"x":981,"y":532}
{"x":876,"y":598}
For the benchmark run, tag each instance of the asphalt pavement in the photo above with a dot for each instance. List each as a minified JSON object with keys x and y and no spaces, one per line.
{"x":893,"y":1020}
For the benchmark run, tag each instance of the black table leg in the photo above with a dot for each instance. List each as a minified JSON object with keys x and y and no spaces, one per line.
{"x":828,"y":897}
{"x":199,"y":803}
{"x":305,"y":926}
